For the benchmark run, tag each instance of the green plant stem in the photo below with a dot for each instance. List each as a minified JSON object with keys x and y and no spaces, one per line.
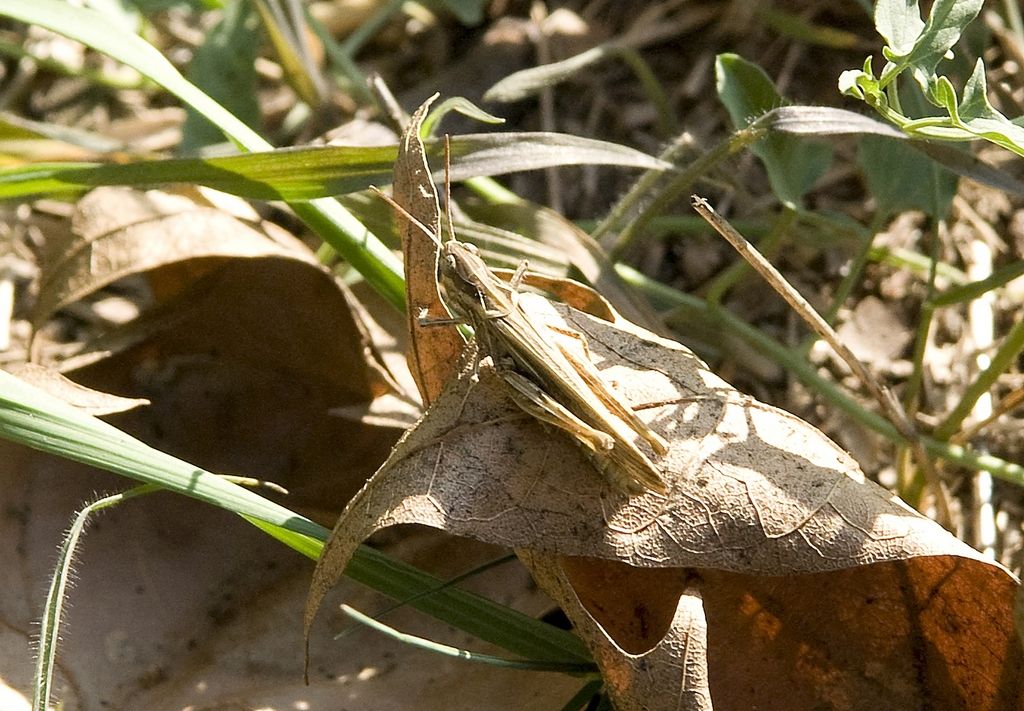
{"x":687,"y":225}
{"x":918,"y":263}
{"x":856,"y":268}
{"x":49,"y":625}
{"x":912,"y":391}
{"x":791,"y":359}
{"x":913,"y":486}
{"x":974,"y":289}
{"x":339,"y":228}
{"x":286,"y":32}
{"x":346,"y":65}
{"x":667,"y":123}
{"x":604,"y":231}
{"x":492,"y":191}
{"x":34,"y":419}
{"x":362,"y":34}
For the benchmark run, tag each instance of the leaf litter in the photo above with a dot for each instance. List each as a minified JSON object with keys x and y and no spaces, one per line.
{"x":708,"y":598}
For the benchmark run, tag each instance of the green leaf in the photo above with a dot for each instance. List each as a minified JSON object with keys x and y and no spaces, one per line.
{"x":745,"y":90}
{"x":223,"y":66}
{"x":943,"y":95}
{"x":150,"y":7}
{"x":967,"y":165}
{"x":824,"y":121}
{"x":980,"y":118}
{"x":975,"y":103}
{"x":468,"y":12}
{"x":458,"y":104}
{"x":315,"y":172}
{"x":946,"y":23}
{"x":901,"y":178}
{"x":828,"y":121}
{"x":793,"y":164}
{"x":527,"y":82}
{"x":922,"y":47}
{"x":863,"y":84}
{"x":900,"y":24}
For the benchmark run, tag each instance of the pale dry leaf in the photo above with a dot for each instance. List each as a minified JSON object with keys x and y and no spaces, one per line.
{"x":733,"y":460}
{"x":643,"y":669}
{"x":755,"y":493}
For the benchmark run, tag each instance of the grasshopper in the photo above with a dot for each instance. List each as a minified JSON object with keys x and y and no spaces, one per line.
{"x":547,"y":380}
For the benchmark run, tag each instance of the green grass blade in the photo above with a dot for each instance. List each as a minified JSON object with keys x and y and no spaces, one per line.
{"x":582,"y":698}
{"x":323,"y":171}
{"x":449,"y":651}
{"x":36,"y":419}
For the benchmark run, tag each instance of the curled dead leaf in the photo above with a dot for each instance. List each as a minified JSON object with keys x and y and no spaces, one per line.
{"x":89,"y":401}
{"x":432,"y":350}
{"x":116,"y":232}
{"x":770,"y":536}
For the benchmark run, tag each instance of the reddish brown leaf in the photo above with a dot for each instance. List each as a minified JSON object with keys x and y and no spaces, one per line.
{"x":432,"y":349}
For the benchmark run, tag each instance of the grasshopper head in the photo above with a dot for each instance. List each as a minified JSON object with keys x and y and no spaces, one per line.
{"x":462,"y":261}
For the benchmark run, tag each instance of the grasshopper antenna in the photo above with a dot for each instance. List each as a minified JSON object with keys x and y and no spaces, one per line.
{"x":448,"y":186}
{"x":405,"y":213}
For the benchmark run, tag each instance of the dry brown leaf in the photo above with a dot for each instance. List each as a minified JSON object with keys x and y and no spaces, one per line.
{"x":256,"y":353}
{"x":875,"y":333}
{"x":767,"y":522}
{"x":433,"y":350}
{"x":580,"y":296}
{"x":255,"y":347}
{"x":116,"y":232}
{"x":89,"y":401}
{"x":640,"y":658}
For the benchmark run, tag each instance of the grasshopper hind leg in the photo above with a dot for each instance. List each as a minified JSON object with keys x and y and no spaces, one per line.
{"x":541,"y":406}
